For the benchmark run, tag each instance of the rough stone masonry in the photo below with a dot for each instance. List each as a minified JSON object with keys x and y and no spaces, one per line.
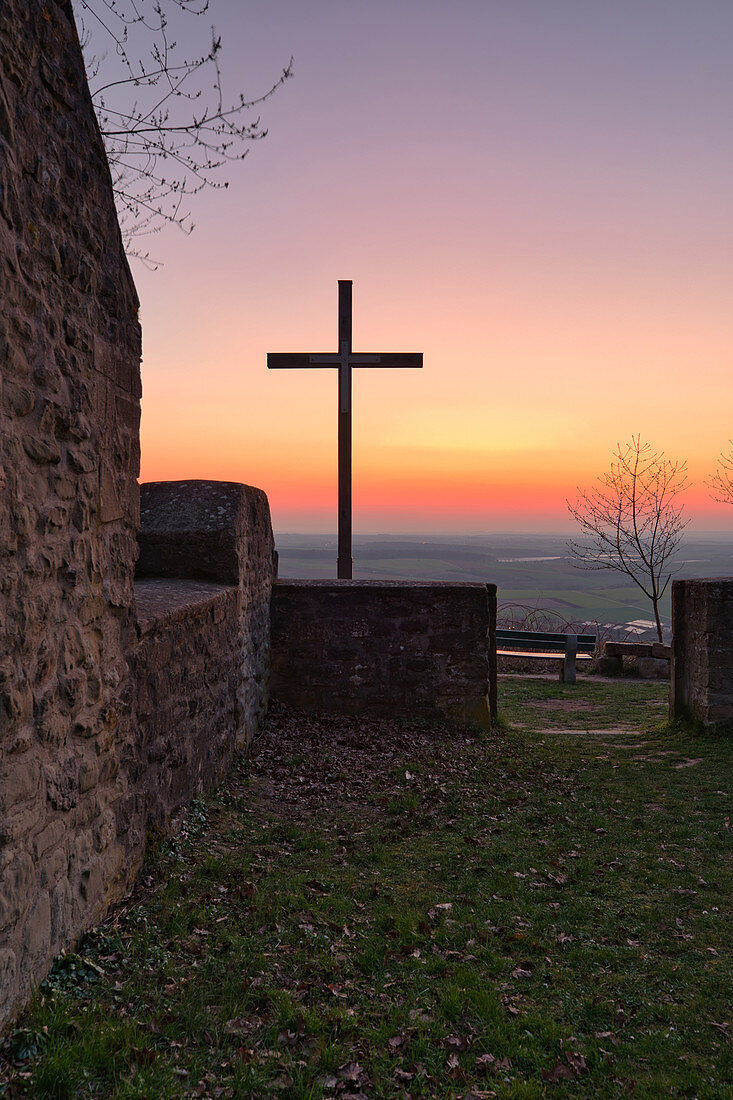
{"x":113,"y":712}
{"x":70,"y":353}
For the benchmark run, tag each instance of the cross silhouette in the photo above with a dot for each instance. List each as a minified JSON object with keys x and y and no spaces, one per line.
{"x":344,"y":360}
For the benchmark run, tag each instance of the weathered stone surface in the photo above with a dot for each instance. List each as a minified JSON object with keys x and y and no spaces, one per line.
{"x":637,"y":649}
{"x":385,"y":647}
{"x":220,"y":532}
{"x":702,"y":646}
{"x":66,"y":565}
{"x":187,"y":672}
{"x":213,"y":530}
{"x":648,"y":660}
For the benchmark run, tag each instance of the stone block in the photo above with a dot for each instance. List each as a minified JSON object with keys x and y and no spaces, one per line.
{"x":202,"y":529}
{"x":62,"y":783}
{"x":36,"y":934}
{"x":51,"y":835}
{"x":19,"y":782}
{"x":702,"y":665}
{"x":384,"y":647}
{"x":88,"y":775}
{"x":652,"y":668}
{"x":55,"y":866}
{"x":8,"y":985}
{"x":15,"y":889}
{"x":61,"y":912}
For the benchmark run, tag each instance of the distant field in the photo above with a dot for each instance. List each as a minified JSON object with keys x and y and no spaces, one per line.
{"x":533,"y":570}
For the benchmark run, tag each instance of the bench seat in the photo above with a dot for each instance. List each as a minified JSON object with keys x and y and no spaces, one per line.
{"x":569,"y":647}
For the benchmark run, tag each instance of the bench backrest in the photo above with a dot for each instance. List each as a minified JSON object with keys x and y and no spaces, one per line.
{"x":543,"y":639}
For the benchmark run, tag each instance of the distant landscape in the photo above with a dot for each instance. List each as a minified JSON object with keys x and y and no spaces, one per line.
{"x":531,"y":570}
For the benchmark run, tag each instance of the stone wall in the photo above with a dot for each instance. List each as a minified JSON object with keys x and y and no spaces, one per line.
{"x":702,"y":646}
{"x":385,"y":648}
{"x":186,"y":672}
{"x":107,"y":725}
{"x":219,"y":531}
{"x":69,"y":412}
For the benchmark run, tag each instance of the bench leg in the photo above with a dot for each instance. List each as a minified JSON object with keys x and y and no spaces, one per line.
{"x":567,"y":669}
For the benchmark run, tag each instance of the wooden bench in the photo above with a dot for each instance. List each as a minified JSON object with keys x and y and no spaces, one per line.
{"x":543,"y":644}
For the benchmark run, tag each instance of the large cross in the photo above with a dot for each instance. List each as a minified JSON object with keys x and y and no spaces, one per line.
{"x":344,"y":359}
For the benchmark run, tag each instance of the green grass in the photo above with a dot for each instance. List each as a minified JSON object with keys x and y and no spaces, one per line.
{"x":379,"y":909}
{"x":531,"y":703}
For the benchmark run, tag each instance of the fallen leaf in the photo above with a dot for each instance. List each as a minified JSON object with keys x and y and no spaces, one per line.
{"x":485,"y":1061}
{"x":455,"y":1042}
{"x":350,"y":1071}
{"x":576,"y":1061}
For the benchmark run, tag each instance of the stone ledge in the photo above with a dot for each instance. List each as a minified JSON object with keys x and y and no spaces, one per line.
{"x":638,"y":649}
{"x":159,"y":602}
{"x":338,"y":586}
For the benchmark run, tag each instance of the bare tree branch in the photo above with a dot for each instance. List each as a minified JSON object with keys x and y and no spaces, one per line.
{"x":632,"y":523}
{"x":721,"y":483}
{"x":167,"y":127}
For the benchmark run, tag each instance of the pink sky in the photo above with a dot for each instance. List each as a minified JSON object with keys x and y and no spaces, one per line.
{"x":535,"y":193}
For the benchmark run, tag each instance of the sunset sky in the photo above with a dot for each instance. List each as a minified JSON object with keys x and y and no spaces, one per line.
{"x":536,"y":194}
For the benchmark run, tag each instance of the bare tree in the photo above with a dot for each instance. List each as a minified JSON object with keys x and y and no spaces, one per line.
{"x":632,"y":521}
{"x":721,"y":483}
{"x":167,"y":127}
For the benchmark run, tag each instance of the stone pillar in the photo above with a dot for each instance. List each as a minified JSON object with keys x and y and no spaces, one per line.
{"x":218,"y":531}
{"x":702,"y":644}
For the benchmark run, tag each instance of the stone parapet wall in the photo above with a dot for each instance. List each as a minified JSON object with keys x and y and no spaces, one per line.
{"x":702,"y":646}
{"x":390,"y":648}
{"x":219,"y":531}
{"x":69,"y":455}
{"x":191,"y":687}
{"x":186,"y":672}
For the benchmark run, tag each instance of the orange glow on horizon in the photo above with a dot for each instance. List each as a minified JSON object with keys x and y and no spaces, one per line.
{"x":563,"y":262}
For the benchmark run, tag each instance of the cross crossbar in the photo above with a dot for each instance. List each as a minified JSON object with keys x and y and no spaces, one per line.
{"x":287,"y":361}
{"x":344,"y":360}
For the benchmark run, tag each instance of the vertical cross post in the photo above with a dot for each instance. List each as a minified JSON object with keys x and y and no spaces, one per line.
{"x":344,"y":563}
{"x":344,"y":360}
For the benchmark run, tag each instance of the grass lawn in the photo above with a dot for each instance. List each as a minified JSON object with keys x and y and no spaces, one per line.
{"x":377,"y":909}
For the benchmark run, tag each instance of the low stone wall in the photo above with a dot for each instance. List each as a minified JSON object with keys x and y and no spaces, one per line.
{"x":385,"y":648}
{"x":219,"y":531}
{"x":647,"y":660}
{"x":702,"y":645}
{"x":186,"y":674}
{"x":190,"y":687}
